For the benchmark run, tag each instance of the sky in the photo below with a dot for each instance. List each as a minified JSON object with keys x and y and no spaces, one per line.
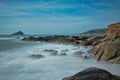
{"x":60,"y":17}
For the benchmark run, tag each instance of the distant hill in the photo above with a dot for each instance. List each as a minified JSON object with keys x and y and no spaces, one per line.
{"x":96,"y":31}
{"x":18,"y":33}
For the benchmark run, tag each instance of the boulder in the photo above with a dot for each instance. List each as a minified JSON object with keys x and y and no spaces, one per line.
{"x":93,"y":74}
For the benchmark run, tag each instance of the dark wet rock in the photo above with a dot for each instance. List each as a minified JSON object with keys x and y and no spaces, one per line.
{"x":62,"y":54}
{"x":65,"y":50}
{"x":36,"y":56}
{"x":50,"y":50}
{"x":54,"y":53}
{"x":93,"y":74}
{"x":80,"y":54}
{"x":31,"y":38}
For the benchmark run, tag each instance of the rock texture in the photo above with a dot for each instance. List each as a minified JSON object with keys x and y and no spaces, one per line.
{"x":108,"y":49}
{"x":93,"y":74}
{"x":114,"y":29}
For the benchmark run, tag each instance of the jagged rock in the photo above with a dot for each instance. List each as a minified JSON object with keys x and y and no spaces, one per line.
{"x":108,"y":50}
{"x":93,"y":74}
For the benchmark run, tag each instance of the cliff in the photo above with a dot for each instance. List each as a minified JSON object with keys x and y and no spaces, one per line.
{"x":108,"y":48}
{"x":114,"y":29}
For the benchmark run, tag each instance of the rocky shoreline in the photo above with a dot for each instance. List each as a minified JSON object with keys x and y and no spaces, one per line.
{"x":105,"y":47}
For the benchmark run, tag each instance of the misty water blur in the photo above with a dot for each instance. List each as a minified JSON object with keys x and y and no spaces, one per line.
{"x":15,"y":63}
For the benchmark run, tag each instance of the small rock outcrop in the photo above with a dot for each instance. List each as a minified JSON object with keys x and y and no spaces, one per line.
{"x":62,"y":54}
{"x":93,"y":74}
{"x":18,"y":33}
{"x":36,"y":56}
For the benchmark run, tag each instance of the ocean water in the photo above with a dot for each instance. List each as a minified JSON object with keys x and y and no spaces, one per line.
{"x":15,"y":63}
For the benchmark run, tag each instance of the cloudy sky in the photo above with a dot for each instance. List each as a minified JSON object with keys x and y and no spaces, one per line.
{"x":57,"y":16}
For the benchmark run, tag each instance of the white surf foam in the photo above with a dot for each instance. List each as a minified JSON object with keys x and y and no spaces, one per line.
{"x":16,"y":65}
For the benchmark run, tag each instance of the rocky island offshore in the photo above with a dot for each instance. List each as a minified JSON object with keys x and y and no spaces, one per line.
{"x":106,"y":47}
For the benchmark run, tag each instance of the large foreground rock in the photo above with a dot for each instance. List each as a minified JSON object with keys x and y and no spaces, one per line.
{"x":93,"y":74}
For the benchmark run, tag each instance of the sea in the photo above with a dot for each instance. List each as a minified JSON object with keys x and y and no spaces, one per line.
{"x":15,"y":63}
